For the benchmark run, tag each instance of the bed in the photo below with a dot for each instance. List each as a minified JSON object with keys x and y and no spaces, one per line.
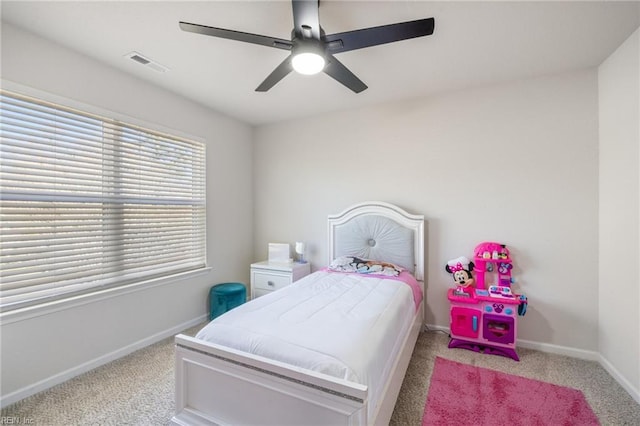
{"x":330,"y":349}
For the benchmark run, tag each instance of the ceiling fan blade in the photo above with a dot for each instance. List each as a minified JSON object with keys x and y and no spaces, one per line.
{"x":306,"y":20}
{"x":276,"y":75}
{"x":367,"y":37}
{"x":341,"y":74}
{"x":278,"y":43}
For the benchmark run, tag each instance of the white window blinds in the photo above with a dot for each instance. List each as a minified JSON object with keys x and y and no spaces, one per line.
{"x":88,"y":202}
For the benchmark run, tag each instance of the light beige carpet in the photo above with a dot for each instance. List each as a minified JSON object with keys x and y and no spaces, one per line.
{"x":138,"y":389}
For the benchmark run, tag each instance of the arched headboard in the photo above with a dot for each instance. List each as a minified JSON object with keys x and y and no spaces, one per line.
{"x":379,"y":231}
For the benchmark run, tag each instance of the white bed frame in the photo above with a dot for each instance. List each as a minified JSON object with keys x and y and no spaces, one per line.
{"x":216,"y":385}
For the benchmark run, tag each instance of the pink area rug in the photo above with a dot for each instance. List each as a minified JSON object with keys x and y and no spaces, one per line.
{"x":461,"y":394}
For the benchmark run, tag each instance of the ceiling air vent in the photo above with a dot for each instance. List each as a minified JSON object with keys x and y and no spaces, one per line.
{"x":141,"y":59}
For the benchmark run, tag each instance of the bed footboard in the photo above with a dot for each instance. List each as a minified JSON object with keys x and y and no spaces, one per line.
{"x":216,"y":385}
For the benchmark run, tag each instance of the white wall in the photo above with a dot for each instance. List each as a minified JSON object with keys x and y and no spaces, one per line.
{"x":619,"y":291}
{"x":515,"y":163}
{"x":42,"y":350}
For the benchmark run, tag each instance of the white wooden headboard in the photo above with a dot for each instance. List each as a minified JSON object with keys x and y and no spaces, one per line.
{"x":380,"y":231}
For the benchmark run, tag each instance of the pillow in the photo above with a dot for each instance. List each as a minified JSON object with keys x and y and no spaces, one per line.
{"x":364,"y":266}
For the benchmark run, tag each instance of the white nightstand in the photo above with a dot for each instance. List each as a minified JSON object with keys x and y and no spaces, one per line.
{"x":270,"y":276}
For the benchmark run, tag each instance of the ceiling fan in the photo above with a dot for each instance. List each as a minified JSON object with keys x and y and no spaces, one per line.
{"x":312,"y":50}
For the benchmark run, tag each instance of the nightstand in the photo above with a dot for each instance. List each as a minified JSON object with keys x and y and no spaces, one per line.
{"x":271,"y":276}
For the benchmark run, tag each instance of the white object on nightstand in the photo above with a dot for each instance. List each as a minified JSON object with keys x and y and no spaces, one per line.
{"x":279,"y":252}
{"x":270,"y":276}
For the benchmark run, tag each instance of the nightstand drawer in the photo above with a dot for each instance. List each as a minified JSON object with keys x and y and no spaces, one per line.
{"x":270,"y":281}
{"x":267,"y":277}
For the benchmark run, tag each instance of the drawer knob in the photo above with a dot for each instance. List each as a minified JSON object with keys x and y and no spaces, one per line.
{"x":270,"y":283}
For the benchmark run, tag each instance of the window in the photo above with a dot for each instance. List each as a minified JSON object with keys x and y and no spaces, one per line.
{"x":89,"y":203}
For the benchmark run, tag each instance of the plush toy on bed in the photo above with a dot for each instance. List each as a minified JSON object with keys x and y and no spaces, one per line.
{"x":364,"y":266}
{"x":461,"y":269}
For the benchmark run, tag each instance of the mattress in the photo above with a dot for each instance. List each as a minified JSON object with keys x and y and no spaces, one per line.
{"x":349,"y":326}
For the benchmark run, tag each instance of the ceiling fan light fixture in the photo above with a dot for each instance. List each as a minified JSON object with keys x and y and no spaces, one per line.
{"x":308,"y":63}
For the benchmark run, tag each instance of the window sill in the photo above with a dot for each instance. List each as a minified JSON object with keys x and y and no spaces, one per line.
{"x":75,"y":301}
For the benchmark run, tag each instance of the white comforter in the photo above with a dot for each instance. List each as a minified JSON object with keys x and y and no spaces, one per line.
{"x":345,"y":325}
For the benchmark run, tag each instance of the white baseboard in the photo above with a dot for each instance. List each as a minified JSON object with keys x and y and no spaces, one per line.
{"x":433,"y":327}
{"x":559,"y":350}
{"x":626,"y":385}
{"x":94,"y":363}
{"x":570,"y":352}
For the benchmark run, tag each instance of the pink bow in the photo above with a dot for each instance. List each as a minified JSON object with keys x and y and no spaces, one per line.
{"x":457,"y":267}
{"x":504,"y":268}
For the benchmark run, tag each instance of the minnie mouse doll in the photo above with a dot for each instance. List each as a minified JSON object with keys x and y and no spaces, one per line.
{"x":461,"y":269}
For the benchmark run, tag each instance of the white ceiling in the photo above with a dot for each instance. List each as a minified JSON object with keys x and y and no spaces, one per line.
{"x":474,"y":43}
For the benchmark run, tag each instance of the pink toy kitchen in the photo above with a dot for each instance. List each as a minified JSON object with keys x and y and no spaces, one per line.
{"x":484,"y":310}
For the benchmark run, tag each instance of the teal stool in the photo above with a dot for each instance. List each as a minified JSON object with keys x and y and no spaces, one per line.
{"x":224,"y":297}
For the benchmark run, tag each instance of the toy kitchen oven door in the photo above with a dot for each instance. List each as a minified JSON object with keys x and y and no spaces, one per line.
{"x":485,"y":319}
